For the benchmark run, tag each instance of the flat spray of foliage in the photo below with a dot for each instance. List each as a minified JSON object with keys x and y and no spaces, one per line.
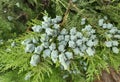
{"x":14,"y":62}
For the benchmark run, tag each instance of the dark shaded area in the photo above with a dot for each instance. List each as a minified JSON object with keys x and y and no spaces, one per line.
{"x":113,"y":76}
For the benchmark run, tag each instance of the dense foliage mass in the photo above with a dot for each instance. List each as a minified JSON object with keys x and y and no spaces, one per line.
{"x":58,"y":40}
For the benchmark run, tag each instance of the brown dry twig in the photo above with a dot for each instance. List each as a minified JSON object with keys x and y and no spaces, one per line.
{"x":66,"y":13}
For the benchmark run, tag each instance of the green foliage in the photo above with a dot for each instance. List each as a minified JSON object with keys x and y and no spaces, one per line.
{"x":12,"y":76}
{"x":18,"y":59}
{"x":6,"y":29}
{"x":15,"y":14}
{"x":14,"y":62}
